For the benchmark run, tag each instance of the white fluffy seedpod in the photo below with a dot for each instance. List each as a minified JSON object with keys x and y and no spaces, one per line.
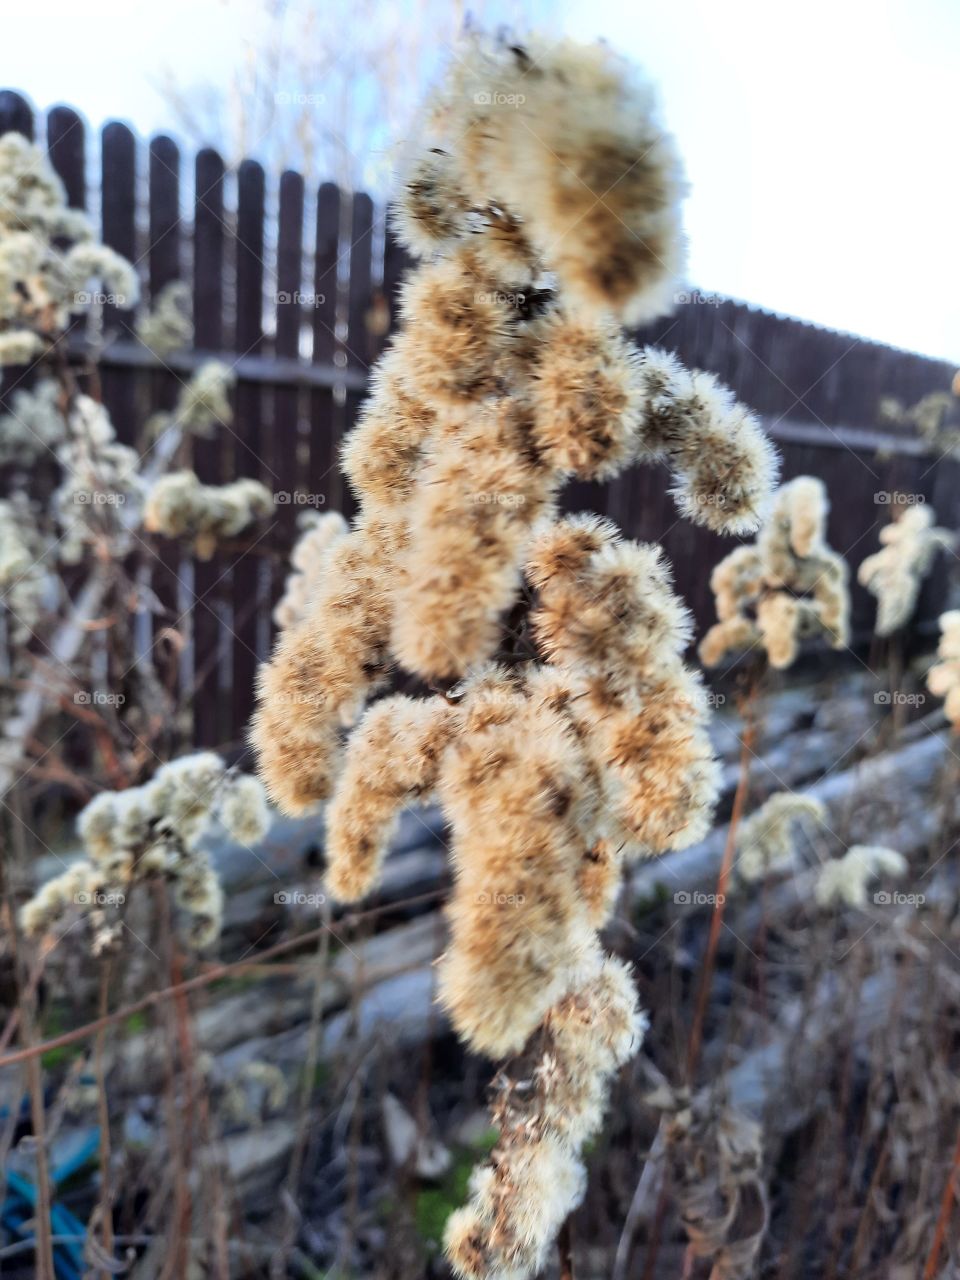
{"x":243,"y":809}
{"x":894,"y":573}
{"x":845,"y":880}
{"x":765,"y":841}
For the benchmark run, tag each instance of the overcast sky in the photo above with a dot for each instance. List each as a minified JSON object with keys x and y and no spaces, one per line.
{"x":820,"y":139}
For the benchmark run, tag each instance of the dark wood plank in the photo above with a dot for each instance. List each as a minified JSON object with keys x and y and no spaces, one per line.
{"x":362,"y":342}
{"x":293,"y":304}
{"x":326,"y":411}
{"x":118,"y":221}
{"x":163,"y":266}
{"x":250,"y":594}
{"x":212,"y":719}
{"x":66,"y":138}
{"x":16,"y":114}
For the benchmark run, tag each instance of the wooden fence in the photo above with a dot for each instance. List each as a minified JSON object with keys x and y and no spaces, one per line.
{"x":295,"y":289}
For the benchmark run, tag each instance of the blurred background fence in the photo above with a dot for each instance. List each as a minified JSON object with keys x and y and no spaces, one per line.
{"x":295,"y":289}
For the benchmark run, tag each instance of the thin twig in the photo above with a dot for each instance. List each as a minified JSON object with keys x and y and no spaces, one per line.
{"x":716,"y":920}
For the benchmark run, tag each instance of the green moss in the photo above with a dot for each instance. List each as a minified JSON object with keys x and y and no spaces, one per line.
{"x":434,"y":1205}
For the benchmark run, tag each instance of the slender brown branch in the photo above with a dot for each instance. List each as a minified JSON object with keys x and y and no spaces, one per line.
{"x":716,"y":920}
{"x":946,"y":1208}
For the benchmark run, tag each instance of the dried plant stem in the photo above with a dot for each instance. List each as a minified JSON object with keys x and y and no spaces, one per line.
{"x":35,"y":1088}
{"x":565,"y":1250}
{"x":179,"y":1118}
{"x":27,"y":1006}
{"x":946,"y":1208}
{"x":716,"y":921}
{"x":307,"y":1083}
{"x":105,"y":1208}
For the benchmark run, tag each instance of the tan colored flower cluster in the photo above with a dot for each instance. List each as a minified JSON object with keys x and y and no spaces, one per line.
{"x":765,"y":841}
{"x":154,"y":831}
{"x":545,"y":1113}
{"x":894,"y":573}
{"x":50,"y":266}
{"x":563,"y":733}
{"x":501,"y":385}
{"x":179,"y":506}
{"x":787,"y":585}
{"x":845,"y":880}
{"x":320,"y":532}
{"x":597,"y":754}
{"x":943,"y":679}
{"x":556,"y":149}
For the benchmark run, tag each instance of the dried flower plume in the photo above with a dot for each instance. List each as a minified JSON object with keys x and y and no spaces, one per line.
{"x":787,"y":585}
{"x":894,"y":573}
{"x":575,"y":738}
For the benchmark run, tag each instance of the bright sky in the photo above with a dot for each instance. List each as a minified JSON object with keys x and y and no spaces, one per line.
{"x":820,"y":140}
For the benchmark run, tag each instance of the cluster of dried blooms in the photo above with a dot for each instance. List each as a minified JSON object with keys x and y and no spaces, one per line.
{"x":935,"y":417}
{"x":319,"y":532}
{"x":50,"y":265}
{"x":25,"y":585}
{"x":766,"y":840}
{"x":153,"y":832}
{"x":894,"y":573}
{"x":943,"y":678}
{"x":845,"y":880}
{"x":573,"y":738}
{"x":180,"y":506}
{"x":786,"y":586}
